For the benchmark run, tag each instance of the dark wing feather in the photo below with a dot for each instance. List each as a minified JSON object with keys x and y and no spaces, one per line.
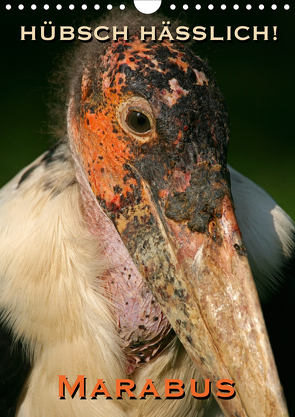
{"x":279,"y":315}
{"x":13,"y":372}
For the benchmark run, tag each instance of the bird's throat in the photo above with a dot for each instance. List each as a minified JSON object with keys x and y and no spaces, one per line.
{"x":142,"y":326}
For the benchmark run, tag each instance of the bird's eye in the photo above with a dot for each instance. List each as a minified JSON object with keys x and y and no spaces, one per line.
{"x":138,"y":122}
{"x":136,"y":117}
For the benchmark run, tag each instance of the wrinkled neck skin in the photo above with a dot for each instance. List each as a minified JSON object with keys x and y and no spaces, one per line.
{"x":142,"y":326}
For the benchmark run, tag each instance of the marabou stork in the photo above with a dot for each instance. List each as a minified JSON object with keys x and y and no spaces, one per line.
{"x":120,"y":253}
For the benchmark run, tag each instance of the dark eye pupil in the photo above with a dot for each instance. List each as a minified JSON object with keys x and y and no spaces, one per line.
{"x":141,"y":121}
{"x":138,"y":122}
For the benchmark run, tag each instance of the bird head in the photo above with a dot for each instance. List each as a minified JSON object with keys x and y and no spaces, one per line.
{"x":148,"y":128}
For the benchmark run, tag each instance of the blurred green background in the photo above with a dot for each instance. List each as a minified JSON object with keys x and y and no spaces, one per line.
{"x":256,"y":78}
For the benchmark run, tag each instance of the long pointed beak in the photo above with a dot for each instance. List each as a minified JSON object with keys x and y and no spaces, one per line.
{"x":204,"y":285}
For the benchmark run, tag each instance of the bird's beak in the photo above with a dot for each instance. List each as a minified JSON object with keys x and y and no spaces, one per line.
{"x":203,"y":282}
